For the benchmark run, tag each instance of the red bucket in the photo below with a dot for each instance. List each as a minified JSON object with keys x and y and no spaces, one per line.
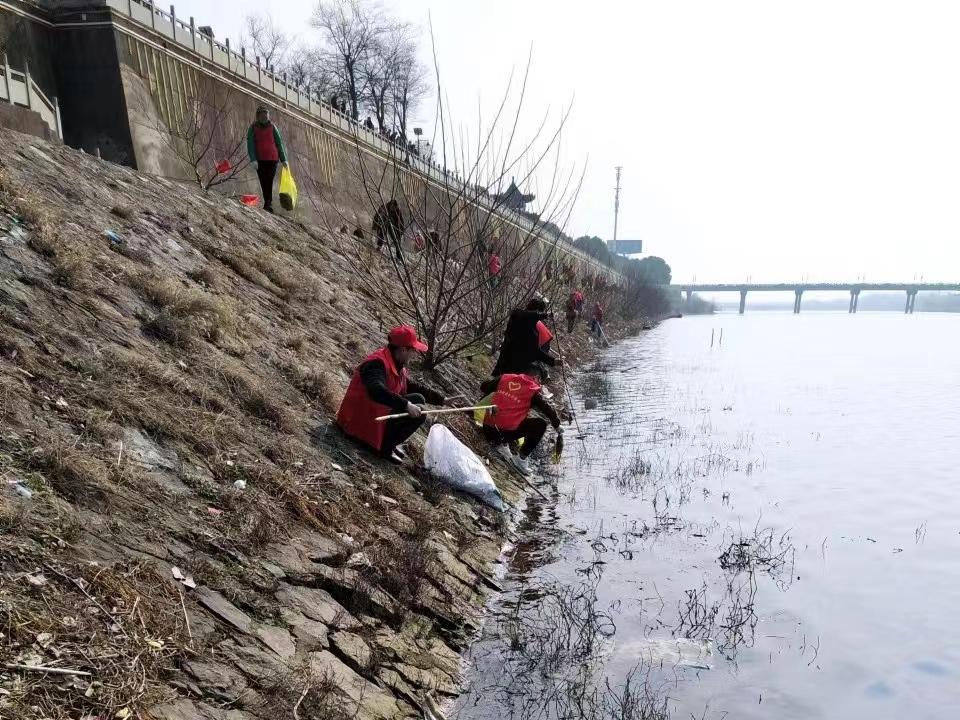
{"x":249,"y":200}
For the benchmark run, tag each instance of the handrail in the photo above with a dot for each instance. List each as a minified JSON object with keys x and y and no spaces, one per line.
{"x":277,"y":85}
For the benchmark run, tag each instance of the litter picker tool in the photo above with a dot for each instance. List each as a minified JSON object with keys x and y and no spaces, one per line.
{"x":444,"y":411}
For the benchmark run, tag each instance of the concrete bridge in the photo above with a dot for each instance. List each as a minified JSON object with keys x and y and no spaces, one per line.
{"x":798,"y":289}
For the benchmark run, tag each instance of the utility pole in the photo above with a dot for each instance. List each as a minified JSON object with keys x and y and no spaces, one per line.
{"x":616,"y":208}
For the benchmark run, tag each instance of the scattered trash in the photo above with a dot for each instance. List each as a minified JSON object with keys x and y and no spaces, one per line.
{"x":453,"y":463}
{"x":223,"y":167}
{"x":249,"y":200}
{"x":62,"y":403}
{"x":186,"y":580}
{"x":335,"y":466}
{"x":216,"y":512}
{"x":240,"y":484}
{"x":114,"y":237}
{"x":23,"y":490}
{"x":38,"y":580}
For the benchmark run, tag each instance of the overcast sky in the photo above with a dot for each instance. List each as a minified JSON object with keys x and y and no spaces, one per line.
{"x":766,"y":139}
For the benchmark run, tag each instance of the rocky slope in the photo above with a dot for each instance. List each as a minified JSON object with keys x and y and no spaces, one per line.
{"x":182,"y":532}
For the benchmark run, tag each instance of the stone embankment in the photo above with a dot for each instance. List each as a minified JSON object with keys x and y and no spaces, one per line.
{"x":183,"y":535}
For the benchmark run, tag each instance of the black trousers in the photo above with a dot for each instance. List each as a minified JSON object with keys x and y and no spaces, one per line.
{"x":532,"y":430}
{"x":571,"y":319}
{"x":267,"y":171}
{"x":399,"y":429}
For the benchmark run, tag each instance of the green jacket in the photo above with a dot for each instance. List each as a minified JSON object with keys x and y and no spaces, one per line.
{"x":252,"y":149}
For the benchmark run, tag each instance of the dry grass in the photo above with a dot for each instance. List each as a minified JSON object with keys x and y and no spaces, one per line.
{"x":316,"y":384}
{"x":122,"y":211}
{"x":185,"y":314}
{"x":403,"y":566}
{"x":122,"y":625}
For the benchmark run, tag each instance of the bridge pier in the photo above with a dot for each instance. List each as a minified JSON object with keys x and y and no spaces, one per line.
{"x":854,"y":300}
{"x":798,"y":296}
{"x":911,"y":301}
{"x":689,"y":295}
{"x":743,"y":301}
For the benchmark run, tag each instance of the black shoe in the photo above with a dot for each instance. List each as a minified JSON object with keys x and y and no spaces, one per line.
{"x":268,"y":208}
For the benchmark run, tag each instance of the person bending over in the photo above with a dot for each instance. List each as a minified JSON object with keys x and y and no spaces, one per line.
{"x":515,"y":395}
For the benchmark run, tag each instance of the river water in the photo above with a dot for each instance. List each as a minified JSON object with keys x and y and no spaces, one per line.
{"x":765,"y":528}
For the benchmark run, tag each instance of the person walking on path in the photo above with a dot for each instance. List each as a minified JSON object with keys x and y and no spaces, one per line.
{"x":515,"y":395}
{"x":265,"y":149}
{"x":381,"y":385}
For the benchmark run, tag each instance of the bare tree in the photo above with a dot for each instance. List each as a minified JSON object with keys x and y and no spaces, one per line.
{"x":349,"y":29}
{"x":204,"y":132}
{"x":266,"y":40}
{"x":447,"y":286}
{"x":380,"y":68}
{"x":410,"y":86}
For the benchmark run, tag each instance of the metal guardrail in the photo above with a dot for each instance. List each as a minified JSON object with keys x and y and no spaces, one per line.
{"x":188,"y":36}
{"x":18,"y":88}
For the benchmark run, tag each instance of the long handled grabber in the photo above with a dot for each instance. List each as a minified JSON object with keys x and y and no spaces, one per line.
{"x":444,"y":411}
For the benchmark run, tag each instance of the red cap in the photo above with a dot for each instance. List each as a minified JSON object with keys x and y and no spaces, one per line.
{"x":406,"y":336}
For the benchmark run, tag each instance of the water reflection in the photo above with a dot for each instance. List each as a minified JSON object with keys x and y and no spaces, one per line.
{"x":722,"y":534}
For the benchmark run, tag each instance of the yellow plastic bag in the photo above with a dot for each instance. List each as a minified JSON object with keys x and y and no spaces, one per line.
{"x":288,"y":189}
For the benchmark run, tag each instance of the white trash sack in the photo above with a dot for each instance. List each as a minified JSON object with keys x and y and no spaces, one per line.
{"x":453,"y":463}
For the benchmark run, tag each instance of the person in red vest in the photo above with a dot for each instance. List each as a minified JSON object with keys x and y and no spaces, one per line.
{"x":381,"y":385}
{"x":544,"y":337}
{"x":515,"y":395}
{"x":596,"y":322}
{"x":265,"y":149}
{"x":494,"y":263}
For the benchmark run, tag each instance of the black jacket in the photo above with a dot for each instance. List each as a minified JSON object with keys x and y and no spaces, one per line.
{"x":537,"y":402}
{"x":373,"y":373}
{"x":521,"y":344}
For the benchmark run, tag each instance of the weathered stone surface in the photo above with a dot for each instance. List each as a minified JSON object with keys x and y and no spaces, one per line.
{"x":277,"y":639}
{"x":310,"y":634}
{"x":370,"y":701}
{"x":434,"y":679}
{"x":188,"y":710}
{"x":222,"y":681}
{"x":224,"y":609}
{"x":317,"y":605}
{"x":255,"y":662}
{"x":353,"y":647}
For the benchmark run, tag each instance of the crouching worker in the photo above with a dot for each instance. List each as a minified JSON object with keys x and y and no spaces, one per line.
{"x":514,"y":396}
{"x":381,"y":385}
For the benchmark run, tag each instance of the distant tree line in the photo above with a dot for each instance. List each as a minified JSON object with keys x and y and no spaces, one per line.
{"x":361,"y":60}
{"x":651,"y":270}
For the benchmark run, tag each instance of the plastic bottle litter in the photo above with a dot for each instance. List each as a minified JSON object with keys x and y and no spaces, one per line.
{"x":240,"y":484}
{"x":114,"y":237}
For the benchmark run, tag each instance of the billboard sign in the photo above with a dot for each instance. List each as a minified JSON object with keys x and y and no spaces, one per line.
{"x":626,"y":247}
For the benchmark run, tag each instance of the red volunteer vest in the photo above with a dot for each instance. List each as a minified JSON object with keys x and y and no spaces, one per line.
{"x":357,"y":411}
{"x":512,"y":398}
{"x":264,"y":143}
{"x":543,"y":334}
